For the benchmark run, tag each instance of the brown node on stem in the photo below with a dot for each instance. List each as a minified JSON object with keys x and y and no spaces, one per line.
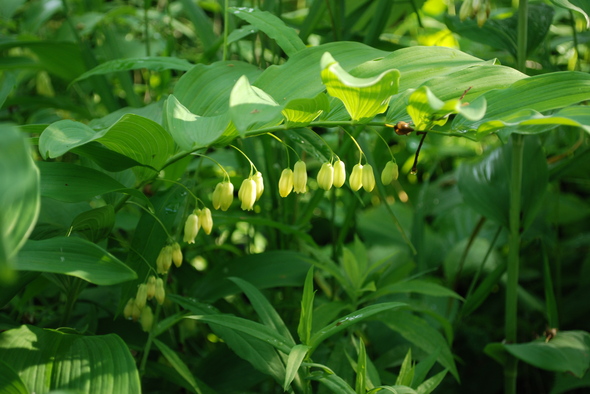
{"x":403,"y":128}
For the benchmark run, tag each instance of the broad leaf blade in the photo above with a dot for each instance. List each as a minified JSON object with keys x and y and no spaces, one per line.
{"x":75,"y":257}
{"x":95,"y":224}
{"x":363,"y":97}
{"x":19,"y":199}
{"x":250,"y":107}
{"x":275,"y":28}
{"x":10,"y":382}
{"x":51,"y":360}
{"x":301,"y":112}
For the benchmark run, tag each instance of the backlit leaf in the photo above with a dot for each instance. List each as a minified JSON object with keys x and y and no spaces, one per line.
{"x":300,"y":112}
{"x":251,"y":107}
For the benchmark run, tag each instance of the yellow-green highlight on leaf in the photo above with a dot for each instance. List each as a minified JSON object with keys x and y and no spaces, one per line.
{"x":301,"y":112}
{"x":192,"y":131}
{"x":427,"y":110}
{"x":296,"y":357}
{"x":251,"y":107}
{"x":363,"y":97}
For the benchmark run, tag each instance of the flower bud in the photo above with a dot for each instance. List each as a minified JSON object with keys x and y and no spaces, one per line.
{"x":259,"y":184}
{"x":160,"y":292}
{"x":356,"y":177}
{"x":147,"y":319}
{"x":339,"y":173}
{"x":247,"y":194}
{"x":151,"y":287}
{"x":368,"y":178}
{"x":128,"y":311}
{"x":481,"y":17}
{"x":390,"y":173}
{"x":286,"y":182}
{"x":466,"y":10}
{"x":216,"y":198}
{"x":326,"y":176}
{"x":300,"y":177}
{"x":164,"y":260}
{"x":206,"y":220}
{"x":176,"y":255}
{"x":141,"y":296}
{"x":191,"y":228}
{"x":136,"y":312}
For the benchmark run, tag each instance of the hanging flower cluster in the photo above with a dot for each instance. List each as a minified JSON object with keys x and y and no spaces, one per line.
{"x":137,"y":309}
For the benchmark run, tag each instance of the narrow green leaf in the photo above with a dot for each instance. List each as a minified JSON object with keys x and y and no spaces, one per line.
{"x":240,"y":33}
{"x":7,"y":83}
{"x":361,"y":369}
{"x":178,"y":365}
{"x":333,"y":382}
{"x":250,"y":107}
{"x":568,"y":351}
{"x":406,"y":372}
{"x":350,"y":319}
{"x":393,"y":389}
{"x":75,"y":257}
{"x":417,"y":331}
{"x":431,"y":384}
{"x":248,"y":327}
{"x":298,"y":353}
{"x":423,"y":367}
{"x":268,"y":315}
{"x":95,"y":224}
{"x":363,"y":97}
{"x":301,"y":112}
{"x":416,"y":286}
{"x":306,"y":317}
{"x":273,"y":27}
{"x":19,"y":199}
{"x":52,"y":360}
{"x":192,"y":131}
{"x":10,"y":382}
{"x":154,"y":63}
{"x":483,"y":290}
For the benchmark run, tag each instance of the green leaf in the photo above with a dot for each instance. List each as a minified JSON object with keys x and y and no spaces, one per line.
{"x":52,"y":360}
{"x":393,"y":389}
{"x":363,"y":97}
{"x":10,"y":382}
{"x":485,"y":186}
{"x":95,"y":224}
{"x":421,"y":334}
{"x":192,"y":131}
{"x":154,"y":63}
{"x":74,"y":257}
{"x":483,"y":290}
{"x":332,"y":381}
{"x":427,"y":110}
{"x":568,"y":351}
{"x":250,"y":107}
{"x":431,"y":384}
{"x":540,"y":93}
{"x":348,"y":320}
{"x":575,"y":5}
{"x":361,"y":369}
{"x":306,"y":316}
{"x":248,"y":327}
{"x":298,"y":353}
{"x":62,"y":136}
{"x":273,"y":27}
{"x":268,"y":315}
{"x":7,"y":84}
{"x":105,"y":158}
{"x":19,"y":199}
{"x":406,"y":372}
{"x":310,"y":142}
{"x":301,"y":112}
{"x":178,"y":365}
{"x":416,"y":286}
{"x":73,"y":183}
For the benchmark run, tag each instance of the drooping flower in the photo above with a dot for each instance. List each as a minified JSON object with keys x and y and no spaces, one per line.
{"x":151,"y":287}
{"x":206,"y":220}
{"x":356,"y":177}
{"x":146,"y":319}
{"x":128,"y":311}
{"x":141,"y":296}
{"x":191,"y":228}
{"x":390,"y":173}
{"x":368,"y":178}
{"x":300,"y":177}
{"x":286,"y":182}
{"x":247,"y":194}
{"x":339,"y":173}
{"x":259,"y":184}
{"x":176,"y":255}
{"x":326,"y":176}
{"x":164,"y":260}
{"x":223,"y":195}
{"x":160,"y":291}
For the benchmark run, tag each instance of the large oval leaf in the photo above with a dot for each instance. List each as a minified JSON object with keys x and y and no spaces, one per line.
{"x":52,"y":360}
{"x":75,"y":257}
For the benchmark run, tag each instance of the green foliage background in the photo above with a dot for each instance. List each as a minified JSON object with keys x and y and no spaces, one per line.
{"x":118,"y":119}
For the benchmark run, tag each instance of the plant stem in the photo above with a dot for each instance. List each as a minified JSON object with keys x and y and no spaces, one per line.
{"x":510,"y":328}
{"x":225,"y":28}
{"x":150,"y":340}
{"x":522,"y":35}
